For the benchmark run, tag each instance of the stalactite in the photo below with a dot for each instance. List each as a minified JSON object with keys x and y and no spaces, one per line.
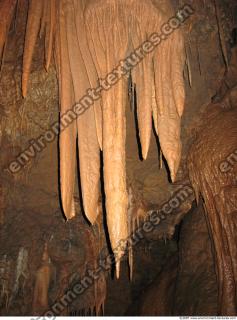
{"x":89,"y":153}
{"x":113,"y":45}
{"x":32,"y":30}
{"x":67,"y":136}
{"x":50,"y":30}
{"x":92,"y":74}
{"x":44,"y":18}
{"x":142,"y":76}
{"x":7,"y":8}
{"x":168,"y":64}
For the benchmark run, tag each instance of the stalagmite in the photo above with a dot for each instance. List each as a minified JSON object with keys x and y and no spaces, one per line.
{"x":43,"y":275}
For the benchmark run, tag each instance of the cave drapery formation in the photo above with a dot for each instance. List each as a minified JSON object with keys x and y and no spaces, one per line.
{"x":218,"y":189}
{"x":88,"y":39}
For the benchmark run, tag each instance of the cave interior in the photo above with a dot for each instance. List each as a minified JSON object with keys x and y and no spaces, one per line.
{"x":118,"y":162}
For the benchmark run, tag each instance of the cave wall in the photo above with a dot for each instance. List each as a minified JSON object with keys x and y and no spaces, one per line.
{"x":196,"y":289}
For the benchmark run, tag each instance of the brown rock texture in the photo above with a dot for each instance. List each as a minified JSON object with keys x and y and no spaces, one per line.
{"x":158,"y":298}
{"x":213,"y":171}
{"x":196,"y":290}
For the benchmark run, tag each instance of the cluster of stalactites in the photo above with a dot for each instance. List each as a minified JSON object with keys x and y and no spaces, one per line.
{"x":159,"y":87}
{"x":89,"y":39}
